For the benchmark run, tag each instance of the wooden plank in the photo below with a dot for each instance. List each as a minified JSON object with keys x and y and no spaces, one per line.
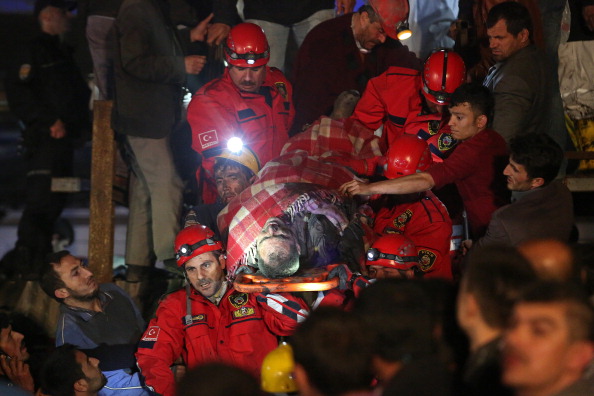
{"x":580,"y":155}
{"x":579,"y":183}
{"x":101,"y":230}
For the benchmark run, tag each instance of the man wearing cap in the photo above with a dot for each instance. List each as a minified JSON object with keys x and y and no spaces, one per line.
{"x":48,"y":94}
{"x":234,"y":172}
{"x":208,"y":320}
{"x":355,"y":48}
{"x":251,"y":101}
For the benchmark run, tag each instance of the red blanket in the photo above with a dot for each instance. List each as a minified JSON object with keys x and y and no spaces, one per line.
{"x":301,"y":161}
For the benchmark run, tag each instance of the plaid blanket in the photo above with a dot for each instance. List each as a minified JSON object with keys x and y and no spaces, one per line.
{"x":301,"y":161}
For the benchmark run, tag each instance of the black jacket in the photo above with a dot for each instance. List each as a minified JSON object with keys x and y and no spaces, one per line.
{"x":45,"y":85}
{"x":150,"y":70}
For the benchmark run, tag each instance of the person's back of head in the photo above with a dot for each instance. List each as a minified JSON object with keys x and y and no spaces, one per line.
{"x":495,"y":276}
{"x":218,"y":379}
{"x":551,"y":259}
{"x":400,"y":317}
{"x":540,"y":155}
{"x":516,"y":16}
{"x":479,"y":98}
{"x":332,"y":352}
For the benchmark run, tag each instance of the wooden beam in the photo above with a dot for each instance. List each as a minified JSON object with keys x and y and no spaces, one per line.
{"x":101,"y":230}
{"x":580,"y":155}
{"x":579,"y":183}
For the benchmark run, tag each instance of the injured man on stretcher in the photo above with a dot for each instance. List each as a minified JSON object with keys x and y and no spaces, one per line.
{"x":292,"y":218}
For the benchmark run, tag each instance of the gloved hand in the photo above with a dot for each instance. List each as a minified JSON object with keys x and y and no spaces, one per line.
{"x":244,"y":269}
{"x":344,"y":275}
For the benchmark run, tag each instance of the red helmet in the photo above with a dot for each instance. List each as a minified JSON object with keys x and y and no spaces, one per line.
{"x":246,"y":46}
{"x":394,"y":251}
{"x":193,"y":241}
{"x":444,"y":71}
{"x":392,"y":14}
{"x":407,"y":154}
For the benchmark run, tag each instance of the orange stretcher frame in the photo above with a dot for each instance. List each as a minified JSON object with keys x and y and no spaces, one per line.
{"x":313,"y":280}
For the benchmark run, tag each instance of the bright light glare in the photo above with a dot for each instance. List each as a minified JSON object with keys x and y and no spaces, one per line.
{"x":235,"y":145}
{"x":405,"y":34}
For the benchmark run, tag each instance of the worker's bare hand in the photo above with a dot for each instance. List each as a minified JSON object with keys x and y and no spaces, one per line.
{"x":58,"y":130}
{"x":198,"y":33}
{"x":355,"y":187}
{"x":217,"y":32}
{"x":465,"y":246}
{"x":344,"y":6}
{"x":194,"y":63}
{"x":18,"y":373}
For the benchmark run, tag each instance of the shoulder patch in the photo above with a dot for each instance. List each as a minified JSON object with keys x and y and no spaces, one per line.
{"x":433,"y":127}
{"x":282,"y":89}
{"x":208,"y":138}
{"x":446,"y":142}
{"x":238,"y":299}
{"x":152,"y":333}
{"x":403,"y":218}
{"x":426,"y":259}
{"x":24,"y":71}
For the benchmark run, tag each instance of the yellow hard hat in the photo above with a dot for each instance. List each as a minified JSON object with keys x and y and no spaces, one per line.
{"x":277,"y":370}
{"x":245,"y":157}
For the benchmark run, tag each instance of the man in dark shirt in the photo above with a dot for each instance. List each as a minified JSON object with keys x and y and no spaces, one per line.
{"x":48,"y":94}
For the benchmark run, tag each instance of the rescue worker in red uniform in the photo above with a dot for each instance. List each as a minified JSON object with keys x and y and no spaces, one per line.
{"x":421,"y":216}
{"x":392,"y":256}
{"x":475,"y":166}
{"x":209,"y":320}
{"x":251,"y":101}
{"x":402,"y":100}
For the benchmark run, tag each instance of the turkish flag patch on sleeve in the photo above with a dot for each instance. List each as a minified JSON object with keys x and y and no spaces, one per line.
{"x":150,"y":337}
{"x":208,"y":138}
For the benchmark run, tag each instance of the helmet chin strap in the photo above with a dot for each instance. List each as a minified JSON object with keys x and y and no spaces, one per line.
{"x":188,"y":317}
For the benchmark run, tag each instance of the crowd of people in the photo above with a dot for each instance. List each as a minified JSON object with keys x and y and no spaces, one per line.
{"x":319,"y":255}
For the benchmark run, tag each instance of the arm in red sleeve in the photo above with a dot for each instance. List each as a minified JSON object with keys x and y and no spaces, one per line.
{"x":160,"y":346}
{"x":211,"y":121}
{"x":282,"y":312}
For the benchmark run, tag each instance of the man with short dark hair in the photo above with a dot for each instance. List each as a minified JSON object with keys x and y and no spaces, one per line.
{"x":50,"y":97}
{"x":210,"y":321}
{"x":13,"y":355}
{"x":402,"y":326}
{"x":69,"y":372}
{"x":101,"y":319}
{"x":474,"y":166}
{"x":493,"y":279}
{"x":549,"y":342}
{"x":541,"y":206}
{"x":333,"y":354}
{"x":519,"y":80}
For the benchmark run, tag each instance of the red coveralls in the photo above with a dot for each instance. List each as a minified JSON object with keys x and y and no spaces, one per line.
{"x":219,"y":111}
{"x":393,"y":99}
{"x":240,"y":331}
{"x":427,"y":224}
